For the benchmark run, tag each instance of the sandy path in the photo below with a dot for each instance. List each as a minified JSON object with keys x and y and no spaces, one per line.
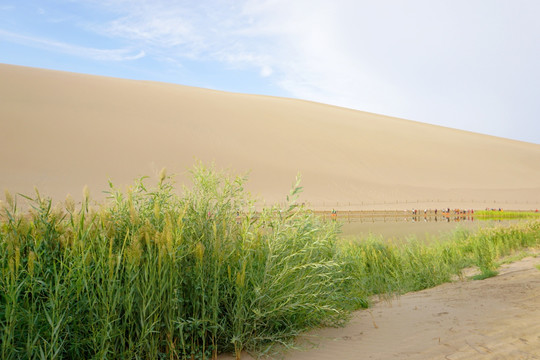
{"x":497,"y":318}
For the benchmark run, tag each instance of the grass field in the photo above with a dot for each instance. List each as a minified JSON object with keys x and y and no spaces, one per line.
{"x":150,"y":274}
{"x":499,"y":214}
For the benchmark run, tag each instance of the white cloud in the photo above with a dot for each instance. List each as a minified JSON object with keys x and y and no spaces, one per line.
{"x":80,"y":51}
{"x":208,"y":31}
{"x":457,"y":64}
{"x":266,"y":71}
{"x":162,"y":28}
{"x":313,"y":55}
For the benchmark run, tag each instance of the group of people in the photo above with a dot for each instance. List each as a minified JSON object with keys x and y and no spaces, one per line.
{"x":445,"y":212}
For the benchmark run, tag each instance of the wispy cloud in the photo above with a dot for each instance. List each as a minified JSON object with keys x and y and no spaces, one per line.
{"x":218,"y":31}
{"x":75,"y":50}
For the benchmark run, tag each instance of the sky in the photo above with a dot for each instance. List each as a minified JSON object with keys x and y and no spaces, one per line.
{"x":465,"y":64}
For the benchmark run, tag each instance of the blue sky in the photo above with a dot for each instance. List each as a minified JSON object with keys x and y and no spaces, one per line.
{"x":466,"y":64}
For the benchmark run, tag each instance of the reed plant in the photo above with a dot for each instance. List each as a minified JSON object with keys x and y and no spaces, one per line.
{"x":153,"y":275}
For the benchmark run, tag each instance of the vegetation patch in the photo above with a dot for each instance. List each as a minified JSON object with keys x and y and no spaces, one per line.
{"x":151,"y":274}
{"x":500,"y":214}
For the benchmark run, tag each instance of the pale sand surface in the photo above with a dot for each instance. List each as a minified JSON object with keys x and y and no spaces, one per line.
{"x":496,"y":318}
{"x":60,"y":131}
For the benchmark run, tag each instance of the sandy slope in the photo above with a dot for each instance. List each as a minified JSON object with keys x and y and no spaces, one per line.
{"x":496,"y":318}
{"x":60,"y":131}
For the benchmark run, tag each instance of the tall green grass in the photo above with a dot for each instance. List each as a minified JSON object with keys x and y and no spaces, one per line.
{"x":387,"y":269}
{"x":153,"y":275}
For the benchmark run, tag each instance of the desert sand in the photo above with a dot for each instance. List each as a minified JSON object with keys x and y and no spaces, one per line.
{"x":61,"y":131}
{"x":495,"y":318}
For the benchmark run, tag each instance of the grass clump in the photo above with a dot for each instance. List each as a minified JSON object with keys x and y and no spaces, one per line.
{"x":154,"y":275}
{"x":485,"y":275}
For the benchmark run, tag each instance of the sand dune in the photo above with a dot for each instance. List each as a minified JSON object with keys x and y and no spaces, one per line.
{"x":60,"y":131}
